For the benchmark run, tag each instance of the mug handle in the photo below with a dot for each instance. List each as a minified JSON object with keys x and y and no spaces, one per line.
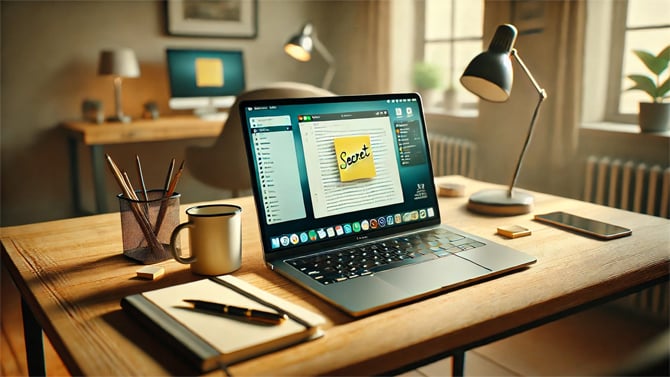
{"x":173,"y":239}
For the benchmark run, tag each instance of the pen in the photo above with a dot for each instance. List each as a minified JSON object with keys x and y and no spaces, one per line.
{"x":236,"y":311}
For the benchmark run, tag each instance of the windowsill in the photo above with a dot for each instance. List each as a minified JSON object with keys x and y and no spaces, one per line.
{"x":619,"y":128}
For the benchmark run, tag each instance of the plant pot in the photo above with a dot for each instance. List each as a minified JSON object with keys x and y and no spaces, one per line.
{"x":654,"y":117}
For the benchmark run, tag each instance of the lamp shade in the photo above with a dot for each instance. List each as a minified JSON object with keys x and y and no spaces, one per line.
{"x":300,"y":46}
{"x":119,"y":63}
{"x":489,"y":75}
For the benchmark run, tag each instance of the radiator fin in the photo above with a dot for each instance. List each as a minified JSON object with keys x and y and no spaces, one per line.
{"x":628,"y":185}
{"x":635,"y":187}
{"x":451,"y":155}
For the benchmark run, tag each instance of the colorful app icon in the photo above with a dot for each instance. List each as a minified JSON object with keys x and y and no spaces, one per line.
{"x":356,"y":227}
{"x":414,"y":215}
{"x":303,"y":237}
{"x":275,"y":242}
{"x":365,"y":225}
{"x":374,"y":224}
{"x":422,"y":214}
{"x":295,"y":239}
{"x":347,"y":228}
{"x":406,"y":217}
{"x":389,"y":220}
{"x":339,"y":230}
{"x":284,"y":240}
{"x":431,"y":212}
{"x":312,"y":235}
{"x":330,"y":231}
{"x":381,"y":221}
{"x":322,"y":233}
{"x":397,"y":218}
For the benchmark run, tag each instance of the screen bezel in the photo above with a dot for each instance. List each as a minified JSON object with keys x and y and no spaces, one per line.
{"x":328,"y":243}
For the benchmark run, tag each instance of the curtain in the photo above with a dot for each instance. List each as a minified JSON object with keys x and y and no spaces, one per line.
{"x":371,"y":69}
{"x":569,"y":29}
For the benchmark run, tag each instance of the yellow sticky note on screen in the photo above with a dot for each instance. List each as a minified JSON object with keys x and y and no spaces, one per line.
{"x":354,"y":158}
{"x":208,"y":72}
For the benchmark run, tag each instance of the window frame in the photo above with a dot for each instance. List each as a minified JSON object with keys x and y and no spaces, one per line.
{"x":420,"y":50}
{"x":616,"y":57}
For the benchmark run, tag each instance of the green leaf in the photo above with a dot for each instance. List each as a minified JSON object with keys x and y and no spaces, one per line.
{"x":643,"y":83}
{"x":655,"y":64}
{"x":665,"y":54}
{"x":663,"y":90}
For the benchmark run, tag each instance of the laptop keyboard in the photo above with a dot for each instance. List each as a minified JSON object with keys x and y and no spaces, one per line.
{"x":344,"y":264}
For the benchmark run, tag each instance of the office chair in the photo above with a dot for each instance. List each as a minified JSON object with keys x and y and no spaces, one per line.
{"x":224,"y":165}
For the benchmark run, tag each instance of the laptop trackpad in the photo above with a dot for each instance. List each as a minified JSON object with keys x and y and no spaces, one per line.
{"x":433,"y":275}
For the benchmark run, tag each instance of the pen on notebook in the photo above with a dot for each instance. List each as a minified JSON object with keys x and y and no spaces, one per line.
{"x":236,"y":311}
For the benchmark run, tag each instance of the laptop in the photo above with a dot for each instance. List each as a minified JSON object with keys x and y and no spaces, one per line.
{"x":347,"y":205}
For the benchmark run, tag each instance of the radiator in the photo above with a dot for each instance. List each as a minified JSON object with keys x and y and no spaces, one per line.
{"x":635,"y":187}
{"x":628,"y":185}
{"x":451,"y":155}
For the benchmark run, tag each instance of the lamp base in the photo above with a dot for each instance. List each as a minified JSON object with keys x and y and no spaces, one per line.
{"x":499,"y":203}
{"x":122,"y":119}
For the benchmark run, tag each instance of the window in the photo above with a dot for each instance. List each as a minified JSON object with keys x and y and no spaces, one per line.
{"x":636,"y":25}
{"x":452,"y":36}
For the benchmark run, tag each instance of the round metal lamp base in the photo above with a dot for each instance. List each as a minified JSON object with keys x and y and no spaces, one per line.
{"x":499,"y":203}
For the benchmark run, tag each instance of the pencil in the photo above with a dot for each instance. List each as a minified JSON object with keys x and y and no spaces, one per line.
{"x":168,"y":193}
{"x":142,"y":221}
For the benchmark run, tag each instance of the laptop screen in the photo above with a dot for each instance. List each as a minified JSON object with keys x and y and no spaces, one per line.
{"x":332,"y":169}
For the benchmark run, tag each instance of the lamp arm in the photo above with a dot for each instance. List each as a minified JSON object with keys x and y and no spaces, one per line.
{"x":328,"y":78}
{"x":542,"y":96}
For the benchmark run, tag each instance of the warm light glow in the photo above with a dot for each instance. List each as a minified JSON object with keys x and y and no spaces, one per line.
{"x":297,"y":52}
{"x":485,"y":89}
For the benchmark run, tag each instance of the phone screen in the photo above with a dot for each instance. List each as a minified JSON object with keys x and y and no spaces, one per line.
{"x":581,"y":224}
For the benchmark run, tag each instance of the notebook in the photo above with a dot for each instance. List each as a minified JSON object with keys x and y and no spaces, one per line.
{"x":347,"y":205}
{"x":209,"y":340}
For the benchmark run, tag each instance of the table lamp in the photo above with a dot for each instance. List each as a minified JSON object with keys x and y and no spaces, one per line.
{"x":118,"y":63}
{"x":489,"y":76}
{"x":300,"y":47}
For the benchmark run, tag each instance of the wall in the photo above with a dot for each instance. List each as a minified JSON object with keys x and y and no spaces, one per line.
{"x":49,"y":65}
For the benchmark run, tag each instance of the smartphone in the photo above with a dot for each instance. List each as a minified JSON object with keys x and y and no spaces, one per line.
{"x":590,"y":227}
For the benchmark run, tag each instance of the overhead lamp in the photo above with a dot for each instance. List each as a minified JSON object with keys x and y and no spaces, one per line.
{"x":489,"y":76}
{"x":118,"y":63}
{"x":300,"y":47}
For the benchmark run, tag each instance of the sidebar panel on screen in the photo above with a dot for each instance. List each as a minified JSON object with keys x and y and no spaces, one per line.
{"x":278,"y":175}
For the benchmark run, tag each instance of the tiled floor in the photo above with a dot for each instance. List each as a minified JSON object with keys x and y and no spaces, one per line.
{"x":593,"y":342}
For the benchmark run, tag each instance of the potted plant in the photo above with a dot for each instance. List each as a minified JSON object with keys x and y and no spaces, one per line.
{"x":427,"y":79}
{"x":654,"y":116}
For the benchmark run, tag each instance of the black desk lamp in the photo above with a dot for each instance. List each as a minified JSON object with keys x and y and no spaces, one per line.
{"x":300,"y":46}
{"x":489,"y":76}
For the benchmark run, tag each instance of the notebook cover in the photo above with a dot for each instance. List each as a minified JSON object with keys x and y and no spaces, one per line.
{"x":210,"y":341}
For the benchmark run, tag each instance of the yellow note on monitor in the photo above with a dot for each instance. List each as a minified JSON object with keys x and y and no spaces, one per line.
{"x":208,"y":72}
{"x":354,"y":158}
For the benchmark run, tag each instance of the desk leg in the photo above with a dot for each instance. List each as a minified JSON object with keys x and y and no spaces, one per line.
{"x":458,"y":363}
{"x":74,"y":175}
{"x":98,"y":165}
{"x":32,"y":333}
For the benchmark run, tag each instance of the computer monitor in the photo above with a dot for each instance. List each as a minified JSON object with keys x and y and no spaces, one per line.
{"x":204,"y":80}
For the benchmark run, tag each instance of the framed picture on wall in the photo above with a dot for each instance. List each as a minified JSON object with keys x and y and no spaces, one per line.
{"x":528,"y":16}
{"x":212,"y":18}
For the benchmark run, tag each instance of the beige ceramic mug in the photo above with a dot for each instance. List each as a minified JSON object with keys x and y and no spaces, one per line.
{"x":215,"y":239}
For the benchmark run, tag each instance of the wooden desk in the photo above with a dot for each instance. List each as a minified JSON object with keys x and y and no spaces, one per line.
{"x":71,"y":275}
{"x":96,"y":136}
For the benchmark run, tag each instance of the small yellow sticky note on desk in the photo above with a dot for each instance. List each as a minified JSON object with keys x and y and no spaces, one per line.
{"x":354,"y":157}
{"x":208,"y":72}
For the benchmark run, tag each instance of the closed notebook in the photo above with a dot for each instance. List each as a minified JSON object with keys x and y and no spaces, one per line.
{"x":211,"y":340}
